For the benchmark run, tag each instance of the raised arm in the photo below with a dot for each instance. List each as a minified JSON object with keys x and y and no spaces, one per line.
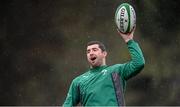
{"x":136,"y":64}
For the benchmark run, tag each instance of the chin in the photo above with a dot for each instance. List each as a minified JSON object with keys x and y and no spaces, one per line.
{"x":95,"y":65}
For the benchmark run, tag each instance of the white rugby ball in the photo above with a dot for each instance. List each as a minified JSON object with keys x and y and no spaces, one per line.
{"x":125,"y":18}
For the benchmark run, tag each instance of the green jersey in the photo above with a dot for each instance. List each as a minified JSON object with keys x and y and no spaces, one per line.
{"x":105,"y":85}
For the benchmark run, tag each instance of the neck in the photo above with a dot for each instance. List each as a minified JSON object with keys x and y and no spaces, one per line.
{"x":102,"y":64}
{"x":94,"y":67}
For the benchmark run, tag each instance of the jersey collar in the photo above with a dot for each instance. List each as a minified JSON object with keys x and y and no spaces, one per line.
{"x":98,"y":68}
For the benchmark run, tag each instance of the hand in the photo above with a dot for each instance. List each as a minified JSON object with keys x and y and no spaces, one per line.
{"x":128,"y":36}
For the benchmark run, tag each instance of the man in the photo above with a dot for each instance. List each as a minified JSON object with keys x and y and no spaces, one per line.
{"x":104,"y":85}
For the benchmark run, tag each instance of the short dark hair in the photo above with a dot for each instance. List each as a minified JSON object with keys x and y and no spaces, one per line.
{"x":101,"y":45}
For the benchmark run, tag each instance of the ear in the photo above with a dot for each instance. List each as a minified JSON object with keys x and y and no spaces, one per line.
{"x":105,"y":53}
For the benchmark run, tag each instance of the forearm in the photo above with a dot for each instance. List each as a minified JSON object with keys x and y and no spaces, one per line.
{"x":137,"y":57}
{"x":137,"y":60}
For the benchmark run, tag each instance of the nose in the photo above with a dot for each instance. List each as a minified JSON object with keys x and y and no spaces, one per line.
{"x":91,"y":53}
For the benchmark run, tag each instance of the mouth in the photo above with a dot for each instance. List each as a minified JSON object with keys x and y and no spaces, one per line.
{"x":93,"y":58}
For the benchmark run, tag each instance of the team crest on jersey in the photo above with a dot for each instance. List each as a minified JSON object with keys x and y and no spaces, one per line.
{"x":104,"y":71}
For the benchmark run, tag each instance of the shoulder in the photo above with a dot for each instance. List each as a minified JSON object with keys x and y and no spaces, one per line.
{"x":79,"y":78}
{"x":116,"y":68}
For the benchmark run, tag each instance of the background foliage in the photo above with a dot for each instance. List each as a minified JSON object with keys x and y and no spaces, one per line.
{"x":42,"y":48}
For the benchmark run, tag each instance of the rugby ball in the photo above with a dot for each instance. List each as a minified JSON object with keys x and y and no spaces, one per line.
{"x":125,"y":18}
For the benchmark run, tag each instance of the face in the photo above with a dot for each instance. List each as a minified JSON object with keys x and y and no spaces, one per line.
{"x":95,"y":56}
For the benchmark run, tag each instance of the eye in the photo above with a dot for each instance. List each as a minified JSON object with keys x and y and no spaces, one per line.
{"x":88,"y":51}
{"x":95,"y":49}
